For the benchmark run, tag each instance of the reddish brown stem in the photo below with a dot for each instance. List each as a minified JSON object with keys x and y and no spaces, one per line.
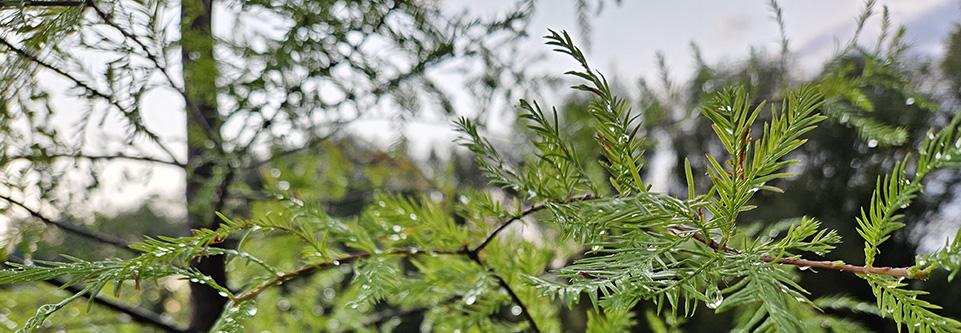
{"x":524,"y":213}
{"x":904,"y":272}
{"x":310,"y":268}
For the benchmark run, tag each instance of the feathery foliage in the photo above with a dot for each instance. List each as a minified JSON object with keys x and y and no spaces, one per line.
{"x":454,"y":258}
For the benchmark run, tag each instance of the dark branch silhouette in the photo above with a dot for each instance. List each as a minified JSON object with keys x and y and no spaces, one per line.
{"x":136,"y":314}
{"x":78,"y":230}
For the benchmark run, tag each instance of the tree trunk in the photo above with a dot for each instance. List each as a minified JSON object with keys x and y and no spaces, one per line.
{"x":203,"y":142}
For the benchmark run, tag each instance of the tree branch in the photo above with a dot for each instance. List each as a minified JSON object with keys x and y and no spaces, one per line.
{"x":472,"y":254}
{"x":80,"y":231}
{"x":405,"y":313}
{"x":838,"y":265}
{"x":92,"y":91}
{"x":99,"y":157}
{"x":191,"y":107}
{"x":510,"y":292}
{"x":522,"y":214}
{"x":41,"y":3}
{"x":137,"y":314}
{"x":346,"y":259}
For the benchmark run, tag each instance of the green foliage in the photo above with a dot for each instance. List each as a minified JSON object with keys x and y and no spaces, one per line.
{"x":847,"y":81}
{"x":476,"y":260}
{"x":893,"y":193}
{"x":615,"y":128}
{"x":750,"y":170}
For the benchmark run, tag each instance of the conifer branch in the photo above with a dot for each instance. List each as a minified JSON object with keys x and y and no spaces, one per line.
{"x":136,"y":314}
{"x":41,"y":3}
{"x":280,"y":278}
{"x":191,"y":106}
{"x":516,"y":299}
{"x":905,"y":272}
{"x":521,"y":215}
{"x":91,"y":91}
{"x":405,"y":313}
{"x":80,"y":231}
{"x":99,"y":157}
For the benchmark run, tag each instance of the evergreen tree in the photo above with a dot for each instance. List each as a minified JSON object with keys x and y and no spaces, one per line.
{"x":382,"y":245}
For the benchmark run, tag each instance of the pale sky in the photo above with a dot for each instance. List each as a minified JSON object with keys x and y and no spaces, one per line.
{"x":627,"y":37}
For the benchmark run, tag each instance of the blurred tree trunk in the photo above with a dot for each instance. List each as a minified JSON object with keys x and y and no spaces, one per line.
{"x":203,"y":140}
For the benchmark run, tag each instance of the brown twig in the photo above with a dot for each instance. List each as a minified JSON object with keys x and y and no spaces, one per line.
{"x":516,"y":299}
{"x":838,"y":265}
{"x":472,"y":254}
{"x":342,"y":260}
{"x":405,"y":313}
{"x":523,"y":213}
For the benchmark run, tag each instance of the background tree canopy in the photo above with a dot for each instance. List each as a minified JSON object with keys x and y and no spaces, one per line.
{"x":783,"y":202}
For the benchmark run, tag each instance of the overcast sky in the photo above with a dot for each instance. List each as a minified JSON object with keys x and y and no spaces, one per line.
{"x":626,"y":37}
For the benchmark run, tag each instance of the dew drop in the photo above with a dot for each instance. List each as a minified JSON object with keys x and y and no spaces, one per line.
{"x":803,"y":268}
{"x":872,"y":143}
{"x":470,"y":299}
{"x":516,"y":310}
{"x":716,"y":302}
{"x":398,"y":228}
